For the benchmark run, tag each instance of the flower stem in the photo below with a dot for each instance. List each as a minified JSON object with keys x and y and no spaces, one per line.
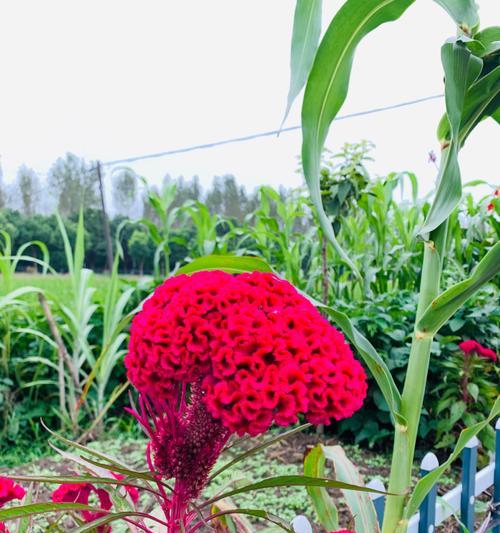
{"x":414,"y":388}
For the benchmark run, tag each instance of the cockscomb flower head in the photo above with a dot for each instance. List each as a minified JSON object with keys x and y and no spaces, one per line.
{"x":10,"y":491}
{"x":81,"y":493}
{"x":471,"y":346}
{"x":214,"y":354}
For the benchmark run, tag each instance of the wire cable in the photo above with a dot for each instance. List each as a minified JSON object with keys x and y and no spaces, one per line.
{"x":265,"y":133}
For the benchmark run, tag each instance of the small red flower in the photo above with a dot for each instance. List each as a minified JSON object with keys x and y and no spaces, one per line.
{"x":10,"y":491}
{"x":490,"y":206}
{"x":487,"y":353}
{"x":80,"y":493}
{"x":132,"y":491}
{"x":471,"y":346}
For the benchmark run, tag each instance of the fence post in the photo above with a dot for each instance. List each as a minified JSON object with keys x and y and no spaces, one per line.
{"x":467,"y":498}
{"x":496,"y":480}
{"x":377,"y":499}
{"x":427,"y":522}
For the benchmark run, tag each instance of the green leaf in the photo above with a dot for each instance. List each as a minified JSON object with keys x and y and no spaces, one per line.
{"x":481,"y":101}
{"x":463,"y":12}
{"x":372,"y":359}
{"x":305,"y":37}
{"x":228,"y":263}
{"x":258,"y":448}
{"x":425,"y":484}
{"x":21,"y":511}
{"x":327,"y":86}
{"x":473,"y":390}
{"x":359,"y":503}
{"x":314,"y":466}
{"x":490,"y":39}
{"x":291,"y":481}
{"x":461,"y":69}
{"x":447,"y":303}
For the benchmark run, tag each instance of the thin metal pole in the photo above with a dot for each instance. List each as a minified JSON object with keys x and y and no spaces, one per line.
{"x":105,"y":221}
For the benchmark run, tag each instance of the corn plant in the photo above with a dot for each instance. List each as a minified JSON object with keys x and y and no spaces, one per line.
{"x":472,"y":93}
{"x":161,"y":203}
{"x":212,"y":233}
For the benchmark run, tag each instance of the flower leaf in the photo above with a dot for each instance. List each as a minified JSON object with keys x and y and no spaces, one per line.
{"x":291,"y":481}
{"x":228,"y":263}
{"x":314,"y":466}
{"x":359,"y":503}
{"x":22,"y":511}
{"x":258,"y":448}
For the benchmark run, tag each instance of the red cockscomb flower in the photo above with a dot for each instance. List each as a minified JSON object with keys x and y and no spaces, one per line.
{"x":3,"y":528}
{"x":10,"y":491}
{"x":80,"y":493}
{"x":215,"y":354}
{"x":490,"y":206}
{"x":471,"y":346}
{"x":468,"y":347}
{"x":260,"y":351}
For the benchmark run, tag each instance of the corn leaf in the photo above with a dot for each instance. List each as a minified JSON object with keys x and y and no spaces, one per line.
{"x":372,"y":359}
{"x":425,"y":484}
{"x":305,"y":38}
{"x":327,"y":86}
{"x":463,"y":12}
{"x":461,"y":69}
{"x":447,"y":303}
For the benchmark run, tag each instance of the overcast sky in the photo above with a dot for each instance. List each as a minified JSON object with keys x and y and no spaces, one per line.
{"x":117,"y":78}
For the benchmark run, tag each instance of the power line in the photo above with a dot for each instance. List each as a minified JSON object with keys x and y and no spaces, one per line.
{"x":266,"y":133}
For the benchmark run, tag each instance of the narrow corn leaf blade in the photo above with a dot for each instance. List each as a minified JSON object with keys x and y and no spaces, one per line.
{"x":327,"y":86}
{"x":372,"y":359}
{"x":481,"y":101}
{"x":447,"y":303}
{"x":461,"y":69}
{"x":314,"y":466}
{"x":359,"y":503}
{"x":305,"y":38}
{"x":425,"y":484}
{"x":228,"y":263}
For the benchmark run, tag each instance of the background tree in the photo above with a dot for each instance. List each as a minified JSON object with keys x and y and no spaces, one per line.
{"x":3,"y":199}
{"x":74,"y":184}
{"x":140,"y":247}
{"x":125,"y":189}
{"x":28,"y":186}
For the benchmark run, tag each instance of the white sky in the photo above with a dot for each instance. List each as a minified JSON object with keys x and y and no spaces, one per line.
{"x":119,"y":78}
